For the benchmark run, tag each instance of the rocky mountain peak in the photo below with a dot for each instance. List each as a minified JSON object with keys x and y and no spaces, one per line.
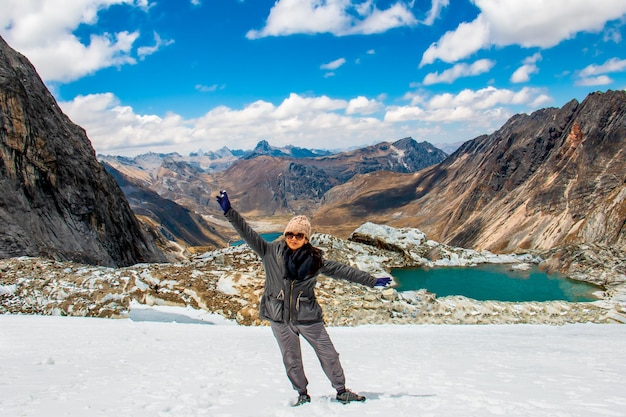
{"x":551,"y":178}
{"x":57,"y":200}
{"x":263,"y":148}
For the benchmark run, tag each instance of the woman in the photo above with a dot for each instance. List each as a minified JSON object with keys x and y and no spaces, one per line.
{"x":289,"y":304}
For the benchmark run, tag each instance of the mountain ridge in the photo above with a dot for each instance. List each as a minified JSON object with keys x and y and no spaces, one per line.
{"x":268,"y":179}
{"x":550,"y":178}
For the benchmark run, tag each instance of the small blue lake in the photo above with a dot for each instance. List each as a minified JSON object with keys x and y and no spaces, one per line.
{"x":270,"y":237}
{"x":495,"y":282}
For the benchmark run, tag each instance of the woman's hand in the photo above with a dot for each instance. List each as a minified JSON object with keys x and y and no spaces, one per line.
{"x":223,"y":201}
{"x":382,"y":282}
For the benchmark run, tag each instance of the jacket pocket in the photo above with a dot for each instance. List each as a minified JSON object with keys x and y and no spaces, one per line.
{"x":272,"y":308}
{"x":308,"y":310}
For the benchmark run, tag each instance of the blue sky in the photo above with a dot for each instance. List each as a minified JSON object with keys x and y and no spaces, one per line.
{"x":182,"y":75}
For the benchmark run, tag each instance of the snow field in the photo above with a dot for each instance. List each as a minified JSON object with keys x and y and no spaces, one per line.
{"x":64,"y":366}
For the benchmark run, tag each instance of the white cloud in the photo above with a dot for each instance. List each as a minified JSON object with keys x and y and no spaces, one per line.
{"x":43,"y":31}
{"x":482,"y":99}
{"x":485,"y":107}
{"x":338,"y":17}
{"x":403,"y":113}
{"x":459,"y":70}
{"x":611,"y":65}
{"x":118,"y":130}
{"x":536,"y":57}
{"x":363,"y":105}
{"x":379,"y":21}
{"x":612,"y":35}
{"x":334,"y":64}
{"x":596,"y":74}
{"x":144,"y":51}
{"x":528,"y":23}
{"x":208,"y":88}
{"x":298,"y":120}
{"x":591,"y":81}
{"x":540,"y":101}
{"x":522,"y":74}
{"x":435,"y":11}
{"x":297,"y":105}
{"x":459,"y":44}
{"x":111,"y":126}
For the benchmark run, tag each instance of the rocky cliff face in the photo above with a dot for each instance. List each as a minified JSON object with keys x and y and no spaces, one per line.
{"x":555,"y":177}
{"x":57,"y":201}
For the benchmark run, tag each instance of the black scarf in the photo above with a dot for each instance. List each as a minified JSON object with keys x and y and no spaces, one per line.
{"x":303,"y":262}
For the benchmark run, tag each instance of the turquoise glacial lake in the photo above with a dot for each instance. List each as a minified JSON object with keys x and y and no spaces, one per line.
{"x":270,"y":237}
{"x":495,"y":282}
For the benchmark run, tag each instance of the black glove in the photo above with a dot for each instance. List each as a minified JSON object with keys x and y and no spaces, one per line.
{"x":382,"y":282}
{"x":223,"y":201}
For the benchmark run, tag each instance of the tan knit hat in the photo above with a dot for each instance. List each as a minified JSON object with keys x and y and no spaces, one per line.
{"x":299,"y":224}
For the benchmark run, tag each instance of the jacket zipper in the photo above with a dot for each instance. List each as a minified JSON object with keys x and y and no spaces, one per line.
{"x":290,"y":299}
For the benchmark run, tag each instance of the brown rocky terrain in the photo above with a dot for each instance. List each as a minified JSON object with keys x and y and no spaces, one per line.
{"x":229,"y":282}
{"x":175,"y":228}
{"x":271,"y":181}
{"x":552,"y":178}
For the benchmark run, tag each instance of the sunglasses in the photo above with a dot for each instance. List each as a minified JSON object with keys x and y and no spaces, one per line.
{"x":297,"y":236}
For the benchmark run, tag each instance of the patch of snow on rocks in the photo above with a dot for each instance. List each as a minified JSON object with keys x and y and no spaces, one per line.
{"x":416,"y":246}
{"x":226,"y":285}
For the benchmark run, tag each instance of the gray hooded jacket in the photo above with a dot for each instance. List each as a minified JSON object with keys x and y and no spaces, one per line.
{"x":286,"y":300}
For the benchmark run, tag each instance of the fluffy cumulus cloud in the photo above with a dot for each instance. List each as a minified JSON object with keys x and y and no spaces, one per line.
{"x":528,"y":23}
{"x":298,"y":120}
{"x":338,"y":17}
{"x":113,"y":127}
{"x":458,"y":44}
{"x":488,"y":107}
{"x":323,"y":121}
{"x":363,"y":105}
{"x":43,"y":31}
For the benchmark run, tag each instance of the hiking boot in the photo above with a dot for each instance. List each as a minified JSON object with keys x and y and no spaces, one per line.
{"x":302,"y":399}
{"x":349,"y":396}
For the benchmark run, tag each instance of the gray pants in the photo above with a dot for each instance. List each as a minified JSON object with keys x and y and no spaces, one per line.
{"x":288,"y":337}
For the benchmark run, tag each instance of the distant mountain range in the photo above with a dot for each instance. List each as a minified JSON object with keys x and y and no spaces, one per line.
{"x":267,"y":180}
{"x":208,"y":161}
{"x":211,"y":162}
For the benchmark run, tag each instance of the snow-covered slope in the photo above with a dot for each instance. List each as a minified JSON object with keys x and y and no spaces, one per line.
{"x":79,"y":367}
